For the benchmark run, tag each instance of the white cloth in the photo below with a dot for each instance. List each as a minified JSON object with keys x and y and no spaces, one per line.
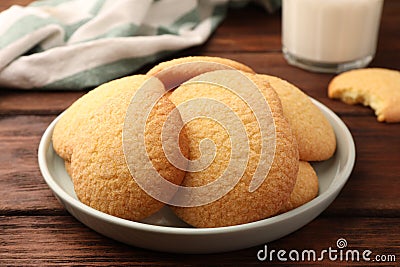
{"x":75,"y":44}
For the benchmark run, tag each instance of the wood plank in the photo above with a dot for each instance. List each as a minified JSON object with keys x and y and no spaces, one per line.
{"x":5,"y":4}
{"x":370,"y":191}
{"x":243,"y":42}
{"x":62,"y":240}
{"x":262,"y":32}
{"x":239,"y":33}
{"x":374,"y":181}
{"x":14,"y":102}
{"x":314,"y":84}
{"x":22,"y":187}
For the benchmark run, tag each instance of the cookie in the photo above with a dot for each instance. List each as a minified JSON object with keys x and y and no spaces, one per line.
{"x":305,"y":189}
{"x":100,"y":173}
{"x":375,"y":87}
{"x":224,"y":61}
{"x":67,"y":129}
{"x":239,"y":205}
{"x":314,"y":134}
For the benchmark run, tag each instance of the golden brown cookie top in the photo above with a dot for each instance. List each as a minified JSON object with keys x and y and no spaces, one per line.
{"x":239,"y":205}
{"x":100,"y":173}
{"x":68,"y":127}
{"x":314,"y":134}
{"x":305,"y":189}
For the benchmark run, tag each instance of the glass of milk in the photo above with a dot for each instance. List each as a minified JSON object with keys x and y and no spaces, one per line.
{"x":330,"y":35}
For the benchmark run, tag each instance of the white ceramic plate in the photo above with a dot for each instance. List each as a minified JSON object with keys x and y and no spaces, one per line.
{"x":165,"y":232}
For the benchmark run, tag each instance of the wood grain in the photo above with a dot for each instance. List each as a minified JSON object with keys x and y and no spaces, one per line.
{"x":62,"y":240}
{"x":14,"y":102}
{"x":22,"y":188}
{"x":5,"y":4}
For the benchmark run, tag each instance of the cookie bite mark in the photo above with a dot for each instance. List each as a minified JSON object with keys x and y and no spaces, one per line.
{"x":377,"y":88}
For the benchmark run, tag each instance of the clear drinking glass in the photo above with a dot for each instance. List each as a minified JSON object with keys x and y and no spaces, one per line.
{"x":330,"y":35}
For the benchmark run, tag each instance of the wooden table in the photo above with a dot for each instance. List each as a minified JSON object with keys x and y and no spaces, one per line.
{"x":36,"y":229}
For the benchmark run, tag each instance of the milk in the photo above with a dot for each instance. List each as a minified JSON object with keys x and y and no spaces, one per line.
{"x":331,"y":31}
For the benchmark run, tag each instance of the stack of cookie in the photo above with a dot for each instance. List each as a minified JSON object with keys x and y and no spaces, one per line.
{"x":89,"y":137}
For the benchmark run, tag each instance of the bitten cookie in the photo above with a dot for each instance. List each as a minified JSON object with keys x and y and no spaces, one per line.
{"x":374,"y":87}
{"x":314,"y":134}
{"x":239,"y":205}
{"x":67,"y":129}
{"x":100,"y":173}
{"x":305,"y":189}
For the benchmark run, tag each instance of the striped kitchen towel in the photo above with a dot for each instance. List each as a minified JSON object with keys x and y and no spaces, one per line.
{"x":75,"y":44}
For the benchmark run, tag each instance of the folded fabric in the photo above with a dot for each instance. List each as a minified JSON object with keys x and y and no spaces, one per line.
{"x":75,"y":44}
